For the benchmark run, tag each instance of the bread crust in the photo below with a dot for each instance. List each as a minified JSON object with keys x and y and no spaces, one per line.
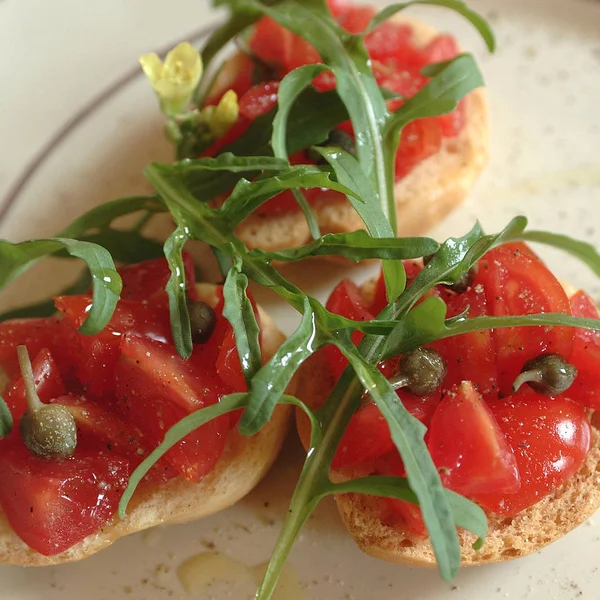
{"x":245,"y":461}
{"x":423,"y":197}
{"x":508,"y":537}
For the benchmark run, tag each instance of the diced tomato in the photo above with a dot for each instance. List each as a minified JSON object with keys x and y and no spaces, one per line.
{"x":586,"y":387}
{"x":50,"y":333}
{"x":259,"y":100}
{"x":346,"y":300}
{"x":271,"y":42}
{"x":389,"y":41}
{"x":98,"y":354}
{"x":409,"y":514}
{"x":228,"y":364}
{"x":453,"y":123}
{"x":517,"y":283}
{"x":53,"y":504}
{"x":550,"y":439}
{"x":48,"y":384}
{"x":468,"y":447}
{"x":471,"y":356}
{"x":443,"y":47}
{"x":419,"y":140}
{"x":582,"y":305}
{"x":146,"y":281}
{"x":157,"y":388}
{"x":355,"y":19}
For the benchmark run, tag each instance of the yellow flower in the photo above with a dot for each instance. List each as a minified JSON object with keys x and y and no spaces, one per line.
{"x":220,"y":118}
{"x":175,"y":80}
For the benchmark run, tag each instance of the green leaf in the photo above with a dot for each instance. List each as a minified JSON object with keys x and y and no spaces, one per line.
{"x":230,"y":163}
{"x":312,"y":117}
{"x":125,"y":246}
{"x":238,"y":310}
{"x":271,"y":381}
{"x":460,"y":7}
{"x":423,"y":477}
{"x":585,"y":252}
{"x":290,"y":88}
{"x":465,"y":513}
{"x":102,"y":216}
{"x":106,"y":282}
{"x":367,"y":204}
{"x":247,"y":196}
{"x":355,"y":246}
{"x":6,"y":420}
{"x":177,"y":292}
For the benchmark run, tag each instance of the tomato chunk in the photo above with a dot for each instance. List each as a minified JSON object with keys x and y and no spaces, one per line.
{"x":518,"y":283}
{"x":48,"y":384}
{"x":550,"y":439}
{"x":156,"y":389}
{"x":53,"y":504}
{"x":259,"y":100}
{"x":468,"y":447}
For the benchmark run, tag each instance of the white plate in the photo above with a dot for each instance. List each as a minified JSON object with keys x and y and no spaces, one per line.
{"x":77,"y":127}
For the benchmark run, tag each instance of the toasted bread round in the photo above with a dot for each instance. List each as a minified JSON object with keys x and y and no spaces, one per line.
{"x":423,"y":197}
{"x":508,"y":537}
{"x":243,"y":464}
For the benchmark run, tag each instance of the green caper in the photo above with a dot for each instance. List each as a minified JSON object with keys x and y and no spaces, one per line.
{"x":203,"y":321}
{"x":422,"y":372}
{"x":49,"y":432}
{"x":549,"y":374}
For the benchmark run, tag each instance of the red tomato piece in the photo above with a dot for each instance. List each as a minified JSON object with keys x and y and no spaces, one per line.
{"x":228,"y":365}
{"x":271,"y":42}
{"x":99,"y":353}
{"x":468,"y":447}
{"x":442,"y":47}
{"x":48,"y":384}
{"x":550,"y":438}
{"x":355,"y":19}
{"x":518,"y":283}
{"x":419,"y":140}
{"x":586,"y":387}
{"x":53,"y":504}
{"x":471,"y":356}
{"x":146,"y":281}
{"x":346,"y":300}
{"x":582,"y":305}
{"x":51,"y":333}
{"x":408,"y":514}
{"x":259,"y":100}
{"x":412,"y":269}
{"x":156,"y":388}
{"x":389,"y":41}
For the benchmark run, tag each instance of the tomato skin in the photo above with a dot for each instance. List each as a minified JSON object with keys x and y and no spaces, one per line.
{"x":468,"y":447}
{"x":419,"y":140}
{"x":550,"y":438}
{"x":582,"y":305}
{"x":518,"y":283}
{"x":48,"y":384}
{"x":259,"y":100}
{"x":52,"y":333}
{"x":346,"y":300}
{"x":98,"y":354}
{"x":52,"y":505}
{"x":151,"y":379}
{"x":146,"y":281}
{"x":471,"y":356}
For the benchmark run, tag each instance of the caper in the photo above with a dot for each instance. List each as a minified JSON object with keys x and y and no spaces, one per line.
{"x":422,"y":372}
{"x":203,"y":321}
{"x":464,"y":282}
{"x":549,"y":374}
{"x":48,"y":430}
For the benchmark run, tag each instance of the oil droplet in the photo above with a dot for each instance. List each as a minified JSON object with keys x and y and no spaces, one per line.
{"x":288,"y":587}
{"x":207,"y":569}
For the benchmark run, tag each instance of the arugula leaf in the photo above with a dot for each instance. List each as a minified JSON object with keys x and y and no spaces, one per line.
{"x":6,"y":419}
{"x":238,"y":310}
{"x":355,"y":246}
{"x":423,"y":477}
{"x":367,"y":204}
{"x":106,"y":282}
{"x":456,"y":5}
{"x":125,"y":246}
{"x":466,"y":514}
{"x":271,"y":381}
{"x":177,"y":292}
{"x":230,"y":163}
{"x":585,"y":252}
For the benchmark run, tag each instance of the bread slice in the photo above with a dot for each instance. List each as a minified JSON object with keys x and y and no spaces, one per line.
{"x":243,"y":464}
{"x":508,"y":537}
{"x":423,"y":197}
